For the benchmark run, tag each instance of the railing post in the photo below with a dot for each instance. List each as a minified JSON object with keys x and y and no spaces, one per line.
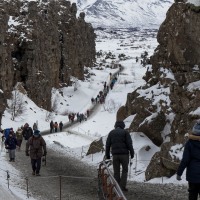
{"x":27,"y":186}
{"x":105,"y":183}
{"x":110,"y":193}
{"x":110,"y":188}
{"x":135,"y":163}
{"x":8,"y":177}
{"x":60,"y":181}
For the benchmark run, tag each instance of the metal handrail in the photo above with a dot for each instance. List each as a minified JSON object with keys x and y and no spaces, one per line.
{"x":109,"y":186}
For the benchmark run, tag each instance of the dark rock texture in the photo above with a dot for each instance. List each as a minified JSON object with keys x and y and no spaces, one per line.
{"x":163,"y":108}
{"x":42,"y":44}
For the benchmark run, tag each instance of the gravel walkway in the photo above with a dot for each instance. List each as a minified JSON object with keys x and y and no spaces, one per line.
{"x":47,"y":187}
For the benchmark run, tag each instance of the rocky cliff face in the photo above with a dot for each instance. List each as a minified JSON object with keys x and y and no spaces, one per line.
{"x":166,"y":107}
{"x":42,"y":44}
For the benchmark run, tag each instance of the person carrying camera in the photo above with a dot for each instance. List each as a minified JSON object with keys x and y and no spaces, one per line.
{"x":36,"y":145}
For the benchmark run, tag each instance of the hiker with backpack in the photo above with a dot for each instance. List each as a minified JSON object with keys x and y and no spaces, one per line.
{"x":7,"y":131}
{"x":10,"y":145}
{"x":36,"y":148}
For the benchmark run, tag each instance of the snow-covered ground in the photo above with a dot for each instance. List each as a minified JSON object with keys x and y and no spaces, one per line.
{"x":132,"y":44}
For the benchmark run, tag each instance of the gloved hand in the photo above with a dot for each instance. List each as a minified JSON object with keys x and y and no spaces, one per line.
{"x":178,"y":177}
{"x":27,"y":154}
{"x":132,"y":156}
{"x":108,"y":157}
{"x":45,"y":153}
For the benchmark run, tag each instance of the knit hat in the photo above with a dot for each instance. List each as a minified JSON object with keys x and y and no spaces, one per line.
{"x":196,"y":129}
{"x":119,"y":124}
{"x":36,"y":132}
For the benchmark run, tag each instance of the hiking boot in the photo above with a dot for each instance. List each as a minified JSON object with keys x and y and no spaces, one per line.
{"x":10,"y":160}
{"x":38,"y":175}
{"x":33,"y":173}
{"x":124,"y":189}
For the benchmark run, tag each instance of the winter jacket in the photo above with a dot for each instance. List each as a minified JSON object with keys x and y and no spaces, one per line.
{"x":11,"y":143}
{"x":120,"y":141}
{"x":60,"y":125}
{"x":7,"y":132}
{"x":19,"y":135}
{"x":37,"y":147}
{"x":191,"y":161}
{"x":27,"y":133}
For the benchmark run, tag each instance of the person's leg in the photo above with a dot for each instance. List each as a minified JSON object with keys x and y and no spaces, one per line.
{"x":33,"y":163}
{"x":124,"y":162}
{"x":13,"y":155}
{"x":116,"y":167}
{"x":193,"y":191}
{"x":20,"y":143}
{"x":38,"y":166}
{"x":10,"y":154}
{"x":198,"y":186}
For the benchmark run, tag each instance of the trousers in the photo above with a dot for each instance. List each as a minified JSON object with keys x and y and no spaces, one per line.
{"x":36,"y":165}
{"x":194,"y":190}
{"x":118,"y":162}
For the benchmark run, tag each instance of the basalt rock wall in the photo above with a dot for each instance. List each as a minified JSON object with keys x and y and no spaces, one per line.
{"x":166,"y":108}
{"x":42,"y":44}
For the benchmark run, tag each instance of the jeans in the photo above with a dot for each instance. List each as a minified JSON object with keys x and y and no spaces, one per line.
{"x":118,"y":161}
{"x":36,"y":164}
{"x":11,"y":154}
{"x":194,"y":190}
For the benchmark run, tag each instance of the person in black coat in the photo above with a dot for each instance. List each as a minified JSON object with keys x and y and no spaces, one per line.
{"x":191,"y":161}
{"x":61,"y":126}
{"x":51,"y":127}
{"x":27,"y":131}
{"x":121,"y":143}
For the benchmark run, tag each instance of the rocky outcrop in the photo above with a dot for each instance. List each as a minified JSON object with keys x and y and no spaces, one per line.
{"x":96,"y":147}
{"x":42,"y":44}
{"x":166,"y":107}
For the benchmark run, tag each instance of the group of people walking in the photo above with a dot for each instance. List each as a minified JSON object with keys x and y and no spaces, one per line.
{"x":55,"y":127}
{"x":100,"y":98}
{"x":35,"y":144}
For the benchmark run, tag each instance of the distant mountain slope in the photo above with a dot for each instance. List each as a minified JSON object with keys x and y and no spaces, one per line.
{"x":124,"y":13}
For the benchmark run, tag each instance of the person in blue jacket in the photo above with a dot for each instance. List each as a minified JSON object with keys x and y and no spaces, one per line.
{"x":191,"y":162}
{"x":10,"y":144}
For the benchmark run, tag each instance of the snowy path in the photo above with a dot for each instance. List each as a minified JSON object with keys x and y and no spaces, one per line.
{"x":47,"y":187}
{"x":6,"y":194}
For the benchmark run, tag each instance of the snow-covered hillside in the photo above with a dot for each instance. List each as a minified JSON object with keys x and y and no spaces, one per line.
{"x":124,"y":13}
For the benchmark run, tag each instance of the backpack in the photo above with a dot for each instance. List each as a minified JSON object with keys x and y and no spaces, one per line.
{"x":6,"y":132}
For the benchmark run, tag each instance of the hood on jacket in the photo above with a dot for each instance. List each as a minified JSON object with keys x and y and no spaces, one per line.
{"x":119,"y":124}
